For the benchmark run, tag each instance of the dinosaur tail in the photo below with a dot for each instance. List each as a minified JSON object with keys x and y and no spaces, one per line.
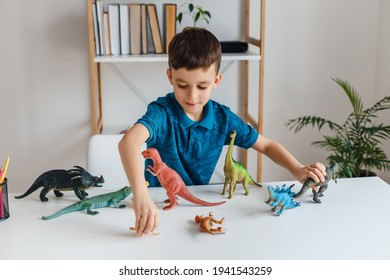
{"x":36,"y":185}
{"x":304,"y":189}
{"x":71,"y":208}
{"x":191,"y":198}
{"x":254,"y":183}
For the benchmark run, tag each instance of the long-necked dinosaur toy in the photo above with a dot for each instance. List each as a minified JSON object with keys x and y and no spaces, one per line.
{"x":235,"y":172}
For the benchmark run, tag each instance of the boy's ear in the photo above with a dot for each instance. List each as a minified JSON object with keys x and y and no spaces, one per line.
{"x":169,"y":75}
{"x":218,"y":79}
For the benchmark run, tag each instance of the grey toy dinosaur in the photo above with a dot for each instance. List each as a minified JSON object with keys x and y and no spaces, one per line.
{"x":331,"y":173}
{"x":99,"y":201}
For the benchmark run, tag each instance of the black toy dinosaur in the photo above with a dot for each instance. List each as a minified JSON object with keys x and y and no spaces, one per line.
{"x":77,"y":179}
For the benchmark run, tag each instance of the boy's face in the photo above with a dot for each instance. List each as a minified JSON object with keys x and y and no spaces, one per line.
{"x":193,"y":88}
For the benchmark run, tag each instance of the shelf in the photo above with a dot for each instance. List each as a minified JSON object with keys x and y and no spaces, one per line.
{"x":255,"y":54}
{"x":164,"y":58}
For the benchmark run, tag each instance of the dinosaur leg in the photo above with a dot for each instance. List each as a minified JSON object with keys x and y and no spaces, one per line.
{"x":233,"y":183}
{"x":58,"y":193}
{"x":225,"y":185}
{"x":281,"y":210}
{"x":84,"y":193}
{"x":90,"y":211}
{"x":218,"y":222}
{"x":79,"y":193}
{"x":245,"y":185}
{"x":169,"y":200}
{"x":217,"y":230}
{"x":319,"y":193}
{"x":315,"y":197}
{"x":172,"y":200}
{"x":44,"y":191}
{"x":114,"y":202}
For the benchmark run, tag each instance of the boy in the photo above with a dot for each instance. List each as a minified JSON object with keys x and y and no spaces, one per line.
{"x":189,"y":130}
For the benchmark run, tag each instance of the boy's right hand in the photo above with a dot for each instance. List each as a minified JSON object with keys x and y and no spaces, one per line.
{"x":146,"y":212}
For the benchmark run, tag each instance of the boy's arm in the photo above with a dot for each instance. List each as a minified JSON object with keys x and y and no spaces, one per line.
{"x":145,"y":210}
{"x":279,"y":154}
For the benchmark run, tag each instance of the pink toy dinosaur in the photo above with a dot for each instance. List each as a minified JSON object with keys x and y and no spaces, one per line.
{"x":171,"y":181}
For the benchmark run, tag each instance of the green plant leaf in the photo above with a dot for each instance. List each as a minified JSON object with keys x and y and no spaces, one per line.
{"x":179,"y":17}
{"x":357,"y":143}
{"x":197,"y":16}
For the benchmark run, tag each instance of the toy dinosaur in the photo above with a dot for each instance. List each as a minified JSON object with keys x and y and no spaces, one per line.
{"x":281,"y":197}
{"x":94,"y":202}
{"x":331,"y":173}
{"x":235,"y":172}
{"x":76,"y":179}
{"x":206,"y":223}
{"x":171,"y":181}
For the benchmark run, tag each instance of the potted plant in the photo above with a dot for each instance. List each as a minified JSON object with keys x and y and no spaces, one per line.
{"x":356,"y":144}
{"x":196,"y":13}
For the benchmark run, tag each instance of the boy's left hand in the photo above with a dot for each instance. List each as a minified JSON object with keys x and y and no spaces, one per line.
{"x":315,"y":171}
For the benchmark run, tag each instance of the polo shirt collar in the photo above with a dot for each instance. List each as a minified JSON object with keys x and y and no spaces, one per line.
{"x":185,"y":122}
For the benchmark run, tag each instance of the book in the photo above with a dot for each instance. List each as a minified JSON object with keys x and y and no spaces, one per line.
{"x":144,"y":34}
{"x":106,"y":34}
{"x":149,"y":39}
{"x":169,"y":23}
{"x":155,"y":28}
{"x":135,"y":28}
{"x":95,"y":29}
{"x":124,"y":28}
{"x":99,"y":16}
{"x":113,"y":14}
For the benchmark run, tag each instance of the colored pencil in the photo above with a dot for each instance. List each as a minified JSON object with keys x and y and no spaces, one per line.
{"x":5,"y":171}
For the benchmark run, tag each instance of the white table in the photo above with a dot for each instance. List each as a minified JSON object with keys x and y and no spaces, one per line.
{"x":353,"y":222}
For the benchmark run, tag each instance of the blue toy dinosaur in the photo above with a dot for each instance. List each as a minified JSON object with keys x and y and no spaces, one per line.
{"x":98,"y":201}
{"x":281,"y":197}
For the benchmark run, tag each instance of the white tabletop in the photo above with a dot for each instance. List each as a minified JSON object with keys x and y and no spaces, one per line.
{"x":352,"y":222}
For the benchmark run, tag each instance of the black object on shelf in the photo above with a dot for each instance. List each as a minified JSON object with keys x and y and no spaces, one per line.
{"x":234,"y":46}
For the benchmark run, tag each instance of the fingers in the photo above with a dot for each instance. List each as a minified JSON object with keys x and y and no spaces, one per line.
{"x":146,"y":222}
{"x":316,"y":171}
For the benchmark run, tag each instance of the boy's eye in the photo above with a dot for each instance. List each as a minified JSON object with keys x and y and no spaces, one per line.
{"x":182,"y":86}
{"x":202,"y":88}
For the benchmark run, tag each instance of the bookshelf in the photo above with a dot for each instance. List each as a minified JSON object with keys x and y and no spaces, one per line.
{"x":95,"y":63}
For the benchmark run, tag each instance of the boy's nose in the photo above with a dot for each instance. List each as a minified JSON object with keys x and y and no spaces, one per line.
{"x":192,"y":94}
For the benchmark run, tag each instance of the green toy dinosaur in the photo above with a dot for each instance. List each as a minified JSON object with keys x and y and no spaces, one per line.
{"x":99,"y":201}
{"x":235,"y":172}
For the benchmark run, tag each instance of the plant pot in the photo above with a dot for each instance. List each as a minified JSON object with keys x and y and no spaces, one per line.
{"x":366,"y":173}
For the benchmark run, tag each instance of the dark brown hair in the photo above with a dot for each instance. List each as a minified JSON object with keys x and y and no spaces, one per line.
{"x":194,"y":48}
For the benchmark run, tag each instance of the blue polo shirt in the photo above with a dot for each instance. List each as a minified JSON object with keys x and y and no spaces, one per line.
{"x":189,"y":147}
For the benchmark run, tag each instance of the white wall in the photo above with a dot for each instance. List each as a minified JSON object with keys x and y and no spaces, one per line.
{"x":307,"y":43}
{"x":44,"y":76}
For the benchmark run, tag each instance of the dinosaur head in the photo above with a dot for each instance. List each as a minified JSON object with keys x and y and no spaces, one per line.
{"x":126,"y":191}
{"x":151,"y":153}
{"x":86,"y":178}
{"x":233,"y":134}
{"x":334,"y":167}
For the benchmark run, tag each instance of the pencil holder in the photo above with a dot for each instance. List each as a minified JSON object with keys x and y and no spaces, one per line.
{"x":4,"y":208}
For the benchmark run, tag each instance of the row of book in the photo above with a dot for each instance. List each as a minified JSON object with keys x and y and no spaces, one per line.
{"x":122,"y":29}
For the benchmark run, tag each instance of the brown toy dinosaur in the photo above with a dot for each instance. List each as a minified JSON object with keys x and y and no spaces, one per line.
{"x":206,"y":223}
{"x":171,"y":181}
